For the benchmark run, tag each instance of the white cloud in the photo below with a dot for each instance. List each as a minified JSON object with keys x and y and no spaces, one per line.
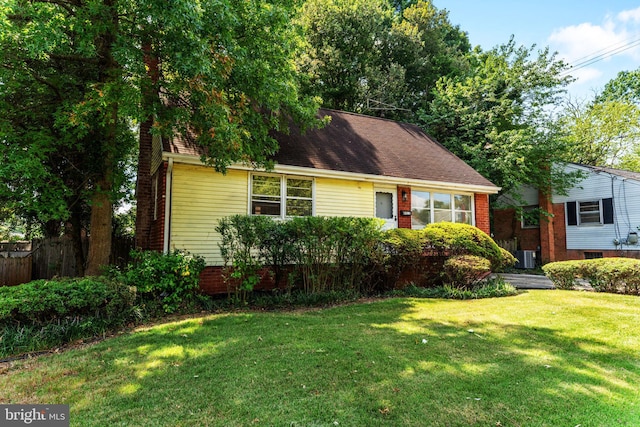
{"x":576,"y":42}
{"x":630,"y":16}
{"x":588,"y":46}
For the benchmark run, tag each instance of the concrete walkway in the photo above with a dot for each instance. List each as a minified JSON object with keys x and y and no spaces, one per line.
{"x":527,"y":281}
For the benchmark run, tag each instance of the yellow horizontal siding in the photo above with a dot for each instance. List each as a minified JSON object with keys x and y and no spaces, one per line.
{"x":336,"y":197}
{"x":200,"y":197}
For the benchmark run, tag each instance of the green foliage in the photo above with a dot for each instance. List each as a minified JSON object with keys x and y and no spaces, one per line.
{"x":602,"y":133}
{"x":491,"y":288}
{"x":326,"y":253}
{"x":464,"y":271}
{"x":333,"y":253}
{"x":563,"y":274}
{"x":168,"y":280}
{"x":499,"y":116}
{"x":463,"y":239}
{"x":46,"y":313}
{"x":364,"y":55}
{"x":618,"y":275}
{"x":242,"y":238}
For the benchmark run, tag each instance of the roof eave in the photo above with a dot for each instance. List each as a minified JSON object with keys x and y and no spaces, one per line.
{"x":352,"y":176}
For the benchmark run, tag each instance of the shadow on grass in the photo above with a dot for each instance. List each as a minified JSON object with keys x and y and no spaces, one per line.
{"x":385,"y":363}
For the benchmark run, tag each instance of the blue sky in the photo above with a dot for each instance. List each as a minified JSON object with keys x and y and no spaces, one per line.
{"x":579,"y":30}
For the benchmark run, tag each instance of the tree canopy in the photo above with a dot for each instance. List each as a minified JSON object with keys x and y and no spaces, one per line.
{"x":225,"y":77}
{"x":499,"y":116}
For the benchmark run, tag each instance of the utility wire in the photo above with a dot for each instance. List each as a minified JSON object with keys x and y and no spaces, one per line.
{"x":607,"y":52}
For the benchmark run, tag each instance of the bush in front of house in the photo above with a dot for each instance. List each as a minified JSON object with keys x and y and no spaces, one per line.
{"x":464,"y":271}
{"x":617,"y":275}
{"x":463,"y":239}
{"x":46,"y":313}
{"x":164,"y":282}
{"x":319,"y":254}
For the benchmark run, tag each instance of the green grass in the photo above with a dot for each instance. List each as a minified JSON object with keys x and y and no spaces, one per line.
{"x":541,"y":358}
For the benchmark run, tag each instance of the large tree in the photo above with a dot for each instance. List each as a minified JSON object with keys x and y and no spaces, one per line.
{"x":370,"y":57}
{"x":602,"y":133}
{"x":499,"y":117}
{"x":224,"y":74}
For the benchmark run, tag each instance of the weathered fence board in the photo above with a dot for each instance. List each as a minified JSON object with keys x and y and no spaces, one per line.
{"x":48,"y":258}
{"x":14,"y":271}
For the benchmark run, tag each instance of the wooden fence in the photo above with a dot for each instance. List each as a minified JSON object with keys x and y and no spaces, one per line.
{"x":509,"y":244}
{"x":48,"y":258}
{"x":14,"y":271}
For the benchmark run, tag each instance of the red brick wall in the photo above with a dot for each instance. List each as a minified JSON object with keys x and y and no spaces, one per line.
{"x":404,"y":221}
{"x":507,"y":225}
{"x":482,"y":212}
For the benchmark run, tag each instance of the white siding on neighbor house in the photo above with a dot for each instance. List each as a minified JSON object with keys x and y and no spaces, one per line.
{"x":626,"y":207}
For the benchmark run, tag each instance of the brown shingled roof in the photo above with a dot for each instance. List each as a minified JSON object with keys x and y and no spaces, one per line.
{"x":355,"y":143}
{"x":370,"y":145}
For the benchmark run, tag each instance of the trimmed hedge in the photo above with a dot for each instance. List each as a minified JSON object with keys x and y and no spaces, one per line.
{"x":46,"y":313}
{"x":325,"y":254}
{"x":617,"y":275}
{"x":45,"y":301}
{"x":463,"y":271}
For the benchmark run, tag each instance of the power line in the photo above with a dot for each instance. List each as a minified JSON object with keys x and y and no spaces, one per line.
{"x":607,"y":52}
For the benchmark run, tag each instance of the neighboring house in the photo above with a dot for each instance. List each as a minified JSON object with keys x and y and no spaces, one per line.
{"x":356,"y":166}
{"x":599,"y":217}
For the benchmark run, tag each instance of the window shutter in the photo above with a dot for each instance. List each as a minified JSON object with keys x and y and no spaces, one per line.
{"x":572,"y":217}
{"x":607,"y":210}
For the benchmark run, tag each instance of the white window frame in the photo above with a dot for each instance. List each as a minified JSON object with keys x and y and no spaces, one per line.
{"x":283,"y":194}
{"x":579,"y":213}
{"x":453,"y":211}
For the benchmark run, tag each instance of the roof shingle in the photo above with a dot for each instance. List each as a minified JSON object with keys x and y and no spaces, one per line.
{"x":354,"y":143}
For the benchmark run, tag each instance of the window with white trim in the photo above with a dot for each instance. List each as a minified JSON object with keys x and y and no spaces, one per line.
{"x":428,"y":207}
{"x":590,"y":212}
{"x":281,"y":196}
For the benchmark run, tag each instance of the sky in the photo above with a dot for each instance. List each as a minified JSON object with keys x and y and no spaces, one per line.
{"x":598,"y":37}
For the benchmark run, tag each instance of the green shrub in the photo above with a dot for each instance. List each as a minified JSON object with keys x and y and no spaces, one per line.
{"x":324,"y":253}
{"x":463,"y":271}
{"x":164,"y":279}
{"x":333,"y":253}
{"x":563,"y":274}
{"x":45,"y":301}
{"x":620,"y":275}
{"x":508,"y":261}
{"x":242,"y":238}
{"x":463,"y":239}
{"x":491,"y":288}
{"x":47,"y":313}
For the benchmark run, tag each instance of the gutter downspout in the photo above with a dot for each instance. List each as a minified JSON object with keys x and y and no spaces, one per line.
{"x":167,"y":207}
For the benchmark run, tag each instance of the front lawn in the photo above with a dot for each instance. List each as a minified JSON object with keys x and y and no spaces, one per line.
{"x":542,"y":358}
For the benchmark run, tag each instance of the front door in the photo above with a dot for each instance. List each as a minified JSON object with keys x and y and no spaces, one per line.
{"x":387,"y":207}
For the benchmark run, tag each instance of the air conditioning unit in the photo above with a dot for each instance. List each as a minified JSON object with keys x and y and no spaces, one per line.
{"x":526,"y":259}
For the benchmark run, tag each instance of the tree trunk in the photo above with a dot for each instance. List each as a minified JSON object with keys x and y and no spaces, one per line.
{"x":100,"y":237}
{"x":74,"y":231}
{"x":101,"y":202}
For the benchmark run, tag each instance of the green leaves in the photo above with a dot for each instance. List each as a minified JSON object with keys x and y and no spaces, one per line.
{"x":498,"y":117}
